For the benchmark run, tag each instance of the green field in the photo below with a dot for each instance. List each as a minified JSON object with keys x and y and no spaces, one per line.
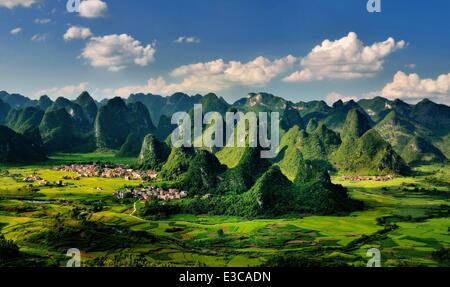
{"x":408,"y":219}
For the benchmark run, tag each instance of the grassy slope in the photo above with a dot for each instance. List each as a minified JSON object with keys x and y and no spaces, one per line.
{"x":230,"y":156}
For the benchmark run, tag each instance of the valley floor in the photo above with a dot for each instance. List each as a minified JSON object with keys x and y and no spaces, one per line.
{"x":407,"y":219}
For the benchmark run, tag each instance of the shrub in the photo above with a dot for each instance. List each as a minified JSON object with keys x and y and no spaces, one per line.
{"x":8,"y":249}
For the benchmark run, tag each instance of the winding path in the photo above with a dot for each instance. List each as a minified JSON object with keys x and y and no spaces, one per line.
{"x":134,"y":211}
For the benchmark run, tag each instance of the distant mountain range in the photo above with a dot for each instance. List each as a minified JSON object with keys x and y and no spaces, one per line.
{"x":378,"y":134}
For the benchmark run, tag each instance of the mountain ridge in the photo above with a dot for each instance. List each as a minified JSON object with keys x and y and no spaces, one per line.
{"x":396,"y":121}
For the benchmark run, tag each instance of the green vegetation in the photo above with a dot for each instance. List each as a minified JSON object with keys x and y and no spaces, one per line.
{"x":98,"y":157}
{"x":116,"y":121}
{"x":317,"y":146}
{"x":230,"y":156}
{"x":89,"y":106}
{"x":263,"y":102}
{"x":75,"y":112}
{"x":370,"y":154}
{"x":375,"y":107}
{"x":336,"y":117}
{"x":24,"y":120}
{"x":418,"y":150}
{"x":364,"y":151}
{"x":242,"y":177}
{"x":8,"y":250}
{"x":61,"y":133}
{"x":159,"y":106}
{"x":313,"y":107}
{"x":177,"y":163}
{"x":53,"y":220}
{"x":16,"y":148}
{"x":202,"y":177}
{"x":310,"y":206}
{"x":212,"y":103}
{"x":272,"y":195}
{"x":4,"y":110}
{"x":131,"y":147}
{"x":153,"y":153}
{"x":44,"y":103}
{"x":414,"y":204}
{"x":165,"y":128}
{"x":355,"y":125}
{"x":407,"y":138}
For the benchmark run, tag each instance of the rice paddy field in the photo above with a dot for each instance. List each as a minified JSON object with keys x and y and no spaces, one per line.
{"x":407,"y":219}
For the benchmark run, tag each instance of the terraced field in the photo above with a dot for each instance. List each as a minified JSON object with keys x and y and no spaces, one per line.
{"x":408,"y":219}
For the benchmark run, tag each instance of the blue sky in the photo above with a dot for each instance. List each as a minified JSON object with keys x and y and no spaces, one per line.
{"x":230,"y":47}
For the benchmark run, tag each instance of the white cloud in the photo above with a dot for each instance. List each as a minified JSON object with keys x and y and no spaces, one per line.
{"x":413,"y":88}
{"x":154,"y":85}
{"x":187,"y":40}
{"x":77,"y":32}
{"x":11,"y":4}
{"x":93,"y":8}
{"x":39,"y":38}
{"x":257,"y":72}
{"x":67,"y":91}
{"x":333,"y":97}
{"x":346,"y":58}
{"x":116,"y":52}
{"x":214,"y":76}
{"x":42,"y":21}
{"x":16,"y":31}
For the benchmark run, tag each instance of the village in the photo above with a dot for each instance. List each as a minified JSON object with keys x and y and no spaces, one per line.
{"x":107,"y":171}
{"x":42,"y":182}
{"x":148,"y":193}
{"x":144,"y":193}
{"x":368,"y":178}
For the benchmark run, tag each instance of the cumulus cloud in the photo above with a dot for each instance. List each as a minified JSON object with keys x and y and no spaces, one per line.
{"x":214,"y":76}
{"x":345,"y":59}
{"x":15,"y":31}
{"x":333,"y":97}
{"x":66,"y":91}
{"x":412,"y":87}
{"x":257,"y":72}
{"x":11,"y":4}
{"x":77,"y":32}
{"x":116,"y":52}
{"x":42,"y":21}
{"x":93,"y":8}
{"x":187,"y":40}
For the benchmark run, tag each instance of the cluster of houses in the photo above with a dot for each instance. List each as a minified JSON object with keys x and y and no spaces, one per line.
{"x":149,"y":192}
{"x":105,"y":171}
{"x":368,"y":178}
{"x":32,"y":178}
{"x":42,"y":182}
